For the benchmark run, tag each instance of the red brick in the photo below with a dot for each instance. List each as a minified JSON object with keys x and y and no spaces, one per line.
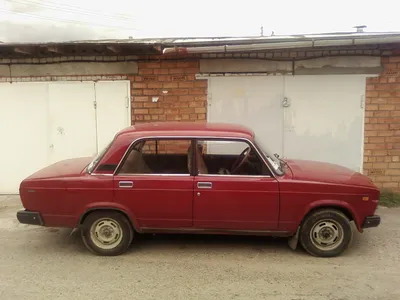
{"x":137,"y":104}
{"x":150,"y":104}
{"x":378,"y":113}
{"x":376,"y":139}
{"x":152,"y":92}
{"x":141,"y":111}
{"x":191,"y":70}
{"x":137,"y":92}
{"x":137,"y":85}
{"x":203,"y":83}
{"x":181,"y":104}
{"x":200,"y":110}
{"x":164,"y":78}
{"x":197,"y":91}
{"x":395,"y":172}
{"x":185,"y":117}
{"x":371,"y":107}
{"x":187,"y":64}
{"x":188,"y":84}
{"x":187,"y":98}
{"x":196,"y":104}
{"x":379,"y":100}
{"x":170,"y":98}
{"x":161,"y":71}
{"x":154,"y":85}
{"x":390,"y":184}
{"x":168,"y":64}
{"x":170,"y":85}
{"x":371,"y":94}
{"x":180,"y":91}
{"x":193,"y":116}
{"x":145,"y":71}
{"x":394,"y":165}
{"x":201,"y":116}
{"x":141,"y":99}
{"x":394,"y":59}
{"x":149,"y":65}
{"x":176,"y":71}
{"x":187,"y":110}
{"x":156,"y":111}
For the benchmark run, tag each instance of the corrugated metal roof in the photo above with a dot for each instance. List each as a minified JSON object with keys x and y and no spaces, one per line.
{"x":177,"y":41}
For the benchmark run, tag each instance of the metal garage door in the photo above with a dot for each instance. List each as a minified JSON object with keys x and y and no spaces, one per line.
{"x":41,"y":123}
{"x":302,"y":117}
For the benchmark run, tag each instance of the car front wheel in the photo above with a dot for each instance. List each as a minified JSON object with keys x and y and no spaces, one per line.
{"x":107,"y":233}
{"x":326,"y":233}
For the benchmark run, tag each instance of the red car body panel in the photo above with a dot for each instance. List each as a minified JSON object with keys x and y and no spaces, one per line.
{"x":64,"y":192}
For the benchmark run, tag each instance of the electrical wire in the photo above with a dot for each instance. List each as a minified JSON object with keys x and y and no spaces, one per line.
{"x":73,"y":9}
{"x":65,"y":20}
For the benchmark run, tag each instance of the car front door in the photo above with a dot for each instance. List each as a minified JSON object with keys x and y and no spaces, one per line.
{"x":155,"y":184}
{"x":234,"y":189}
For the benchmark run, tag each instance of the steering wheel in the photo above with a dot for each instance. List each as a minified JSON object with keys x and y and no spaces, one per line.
{"x":243,"y":157}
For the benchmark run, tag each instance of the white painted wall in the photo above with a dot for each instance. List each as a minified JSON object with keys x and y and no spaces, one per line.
{"x":323,"y":121}
{"x":45,"y":122}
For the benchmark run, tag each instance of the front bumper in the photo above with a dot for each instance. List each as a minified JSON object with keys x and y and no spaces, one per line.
{"x":29,"y":217}
{"x":371,"y":221}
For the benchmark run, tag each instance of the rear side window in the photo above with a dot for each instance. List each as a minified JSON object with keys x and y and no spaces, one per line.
{"x":158,"y":156}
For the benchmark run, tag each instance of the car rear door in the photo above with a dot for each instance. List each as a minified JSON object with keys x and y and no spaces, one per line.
{"x":158,"y":198}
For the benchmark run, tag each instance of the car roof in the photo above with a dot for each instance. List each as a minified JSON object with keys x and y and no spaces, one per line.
{"x":187,"y":129}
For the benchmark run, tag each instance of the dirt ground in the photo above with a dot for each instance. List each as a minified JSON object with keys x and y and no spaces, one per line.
{"x":47,"y":263}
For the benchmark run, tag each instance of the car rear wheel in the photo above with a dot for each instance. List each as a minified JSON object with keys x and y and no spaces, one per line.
{"x":326,"y":233}
{"x":107,"y":233}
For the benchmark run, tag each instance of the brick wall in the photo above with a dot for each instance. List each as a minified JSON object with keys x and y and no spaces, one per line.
{"x":180,"y":96}
{"x":382,"y":126}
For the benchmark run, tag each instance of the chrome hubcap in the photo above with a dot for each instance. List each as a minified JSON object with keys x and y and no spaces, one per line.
{"x":106,"y":233}
{"x":326,"y":235}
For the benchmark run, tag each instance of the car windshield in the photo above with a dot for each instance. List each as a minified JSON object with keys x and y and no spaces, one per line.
{"x":273,"y":161}
{"x":98,"y":157}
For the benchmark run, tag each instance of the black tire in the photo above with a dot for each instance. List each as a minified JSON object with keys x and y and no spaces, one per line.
{"x":110,"y":220}
{"x":328,"y":222}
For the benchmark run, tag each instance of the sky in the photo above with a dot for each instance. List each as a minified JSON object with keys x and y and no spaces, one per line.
{"x":60,"y":20}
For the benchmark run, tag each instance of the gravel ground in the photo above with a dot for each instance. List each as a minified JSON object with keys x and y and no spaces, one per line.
{"x":47,"y":263}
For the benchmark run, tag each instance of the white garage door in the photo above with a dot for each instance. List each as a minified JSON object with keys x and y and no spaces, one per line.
{"x":41,"y":123}
{"x":301,"y":117}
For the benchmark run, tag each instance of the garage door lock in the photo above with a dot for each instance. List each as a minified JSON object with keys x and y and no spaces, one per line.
{"x":285,"y":102}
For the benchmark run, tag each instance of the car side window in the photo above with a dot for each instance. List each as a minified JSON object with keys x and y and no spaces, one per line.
{"x":229,"y":157}
{"x":158,"y":156}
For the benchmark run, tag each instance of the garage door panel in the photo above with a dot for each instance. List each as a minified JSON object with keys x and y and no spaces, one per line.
{"x":324,"y":121}
{"x":72,"y":119}
{"x":23,"y":132}
{"x":112,"y":107}
{"x":253,"y":101}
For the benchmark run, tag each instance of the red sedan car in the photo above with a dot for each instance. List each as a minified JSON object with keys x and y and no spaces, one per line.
{"x":199,"y":178}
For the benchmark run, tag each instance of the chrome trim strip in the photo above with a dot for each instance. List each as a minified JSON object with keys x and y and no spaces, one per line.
{"x":228,"y":175}
{"x":150,"y":174}
{"x":196,"y":138}
{"x":215,"y":230}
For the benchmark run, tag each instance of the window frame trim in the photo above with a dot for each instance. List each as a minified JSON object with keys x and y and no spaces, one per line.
{"x":235,"y":139}
{"x":194,"y":139}
{"x":141,"y":139}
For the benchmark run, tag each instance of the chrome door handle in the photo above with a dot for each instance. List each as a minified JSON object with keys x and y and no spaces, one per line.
{"x":125,"y":184}
{"x":204,"y":185}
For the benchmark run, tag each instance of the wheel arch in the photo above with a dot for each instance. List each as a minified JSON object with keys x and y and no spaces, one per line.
{"x":88,"y":211}
{"x":341,"y":206}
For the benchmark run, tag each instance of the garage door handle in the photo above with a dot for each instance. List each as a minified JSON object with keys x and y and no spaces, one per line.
{"x":125,"y":184}
{"x":204,"y":185}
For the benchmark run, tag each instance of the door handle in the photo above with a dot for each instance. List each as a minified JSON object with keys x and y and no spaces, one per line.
{"x":204,"y":185}
{"x":125,"y":184}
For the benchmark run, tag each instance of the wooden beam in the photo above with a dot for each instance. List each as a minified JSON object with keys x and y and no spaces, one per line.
{"x":114,"y":49}
{"x":22,"y":50}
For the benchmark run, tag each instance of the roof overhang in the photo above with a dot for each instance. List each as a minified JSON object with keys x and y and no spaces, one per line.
{"x":178,"y":46}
